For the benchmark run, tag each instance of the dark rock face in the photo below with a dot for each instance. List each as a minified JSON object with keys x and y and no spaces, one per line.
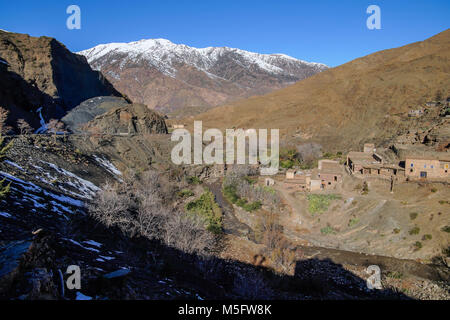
{"x":130,"y":119}
{"x":89,"y":109}
{"x":42,"y":72}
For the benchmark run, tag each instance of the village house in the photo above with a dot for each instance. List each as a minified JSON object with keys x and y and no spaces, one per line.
{"x":297,"y":180}
{"x":372,"y":164}
{"x":427,"y":167}
{"x":359,"y":162}
{"x":327,"y":175}
{"x":330,"y":173}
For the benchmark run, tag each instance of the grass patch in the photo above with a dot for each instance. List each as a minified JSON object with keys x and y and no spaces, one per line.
{"x":206,"y":207}
{"x":446,"y":229}
{"x":394,"y":275}
{"x":319,"y":203}
{"x":327,"y":230}
{"x":396,"y":230}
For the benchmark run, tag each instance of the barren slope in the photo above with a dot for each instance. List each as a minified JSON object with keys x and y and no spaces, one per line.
{"x":349,"y":104}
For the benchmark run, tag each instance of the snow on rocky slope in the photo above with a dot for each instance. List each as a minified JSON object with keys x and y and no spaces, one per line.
{"x":170,"y":76}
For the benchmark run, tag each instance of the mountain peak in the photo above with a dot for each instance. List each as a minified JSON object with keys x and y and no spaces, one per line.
{"x":201,"y":77}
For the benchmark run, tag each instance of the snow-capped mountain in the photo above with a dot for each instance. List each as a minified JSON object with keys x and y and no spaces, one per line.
{"x":170,"y":76}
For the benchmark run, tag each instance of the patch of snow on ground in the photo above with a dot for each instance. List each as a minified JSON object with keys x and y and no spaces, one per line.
{"x":107,"y":165}
{"x":81,"y":296}
{"x":5,"y":214}
{"x":87,"y":188}
{"x":93,"y":243}
{"x":80,"y":245}
{"x":14,"y":165}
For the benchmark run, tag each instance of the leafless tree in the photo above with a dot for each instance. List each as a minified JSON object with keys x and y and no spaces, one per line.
{"x":3,"y":117}
{"x":55,"y":126}
{"x":24,"y":127}
{"x":140,"y":206}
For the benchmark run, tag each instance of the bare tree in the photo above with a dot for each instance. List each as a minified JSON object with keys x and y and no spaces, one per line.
{"x":140,"y":206}
{"x":3,"y":117}
{"x":24,"y":127}
{"x":55,"y":126}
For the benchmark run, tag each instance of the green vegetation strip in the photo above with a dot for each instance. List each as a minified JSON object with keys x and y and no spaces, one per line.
{"x":231,"y":195}
{"x":206,"y":207}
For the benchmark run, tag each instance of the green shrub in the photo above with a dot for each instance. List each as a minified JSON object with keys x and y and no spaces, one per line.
{"x":206,"y":207}
{"x":414,"y":230}
{"x":185,"y":193}
{"x":433,"y":190}
{"x":446,"y":229}
{"x":427,"y":237}
{"x":396,"y":230}
{"x":352,"y":222}
{"x":328,"y":230}
{"x":194,"y":180}
{"x":417,"y":245}
{"x":230,"y":194}
{"x":413,"y":215}
{"x":287,"y":164}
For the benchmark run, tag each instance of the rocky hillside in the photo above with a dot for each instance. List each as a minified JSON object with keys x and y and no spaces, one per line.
{"x":168,"y":76}
{"x":130,"y":119}
{"x":350,"y":104}
{"x":42,"y":72}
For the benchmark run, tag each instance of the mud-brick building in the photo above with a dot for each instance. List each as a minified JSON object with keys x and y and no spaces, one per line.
{"x":297,"y":180}
{"x":370,"y":164}
{"x":359,"y":162}
{"x":428,"y":168}
{"x":330,"y":173}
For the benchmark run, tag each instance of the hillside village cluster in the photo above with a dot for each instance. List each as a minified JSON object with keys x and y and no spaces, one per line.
{"x":367,"y":163}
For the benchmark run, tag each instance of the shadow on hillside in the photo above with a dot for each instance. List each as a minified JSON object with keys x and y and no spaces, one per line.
{"x":216,"y":278}
{"x":150,"y":262}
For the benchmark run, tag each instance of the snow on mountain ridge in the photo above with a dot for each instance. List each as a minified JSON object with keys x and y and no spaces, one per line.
{"x":163,"y":54}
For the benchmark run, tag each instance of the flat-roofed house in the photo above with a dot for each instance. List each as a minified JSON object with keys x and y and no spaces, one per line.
{"x":299,"y":182}
{"x":427,"y":167}
{"x":359,"y":162}
{"x":330,"y":172}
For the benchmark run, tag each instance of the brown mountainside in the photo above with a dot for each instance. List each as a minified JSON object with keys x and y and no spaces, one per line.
{"x":42,"y":72}
{"x":342,"y":107}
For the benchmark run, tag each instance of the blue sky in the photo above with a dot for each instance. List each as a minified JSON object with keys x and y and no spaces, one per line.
{"x":331,"y":32}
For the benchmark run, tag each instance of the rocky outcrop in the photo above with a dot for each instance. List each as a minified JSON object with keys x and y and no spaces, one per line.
{"x":89,"y":109}
{"x":130,"y":119}
{"x":42,"y":72}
